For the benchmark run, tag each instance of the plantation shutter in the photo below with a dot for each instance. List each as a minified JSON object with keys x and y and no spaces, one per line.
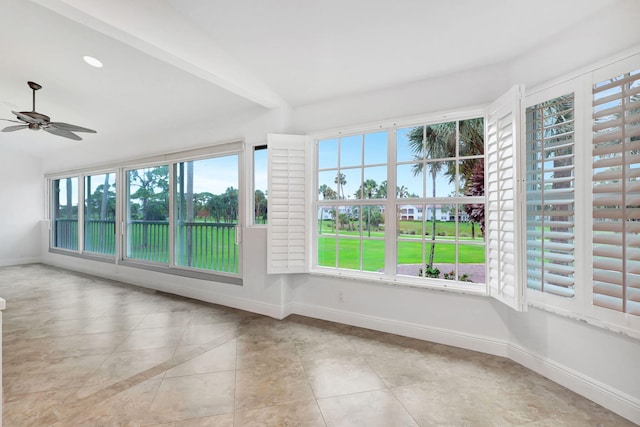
{"x":503,"y":193}
{"x":286,"y":200}
{"x":616,"y":193}
{"x":550,"y":196}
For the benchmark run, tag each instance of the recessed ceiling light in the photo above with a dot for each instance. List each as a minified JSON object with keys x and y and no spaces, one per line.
{"x":92,"y":61}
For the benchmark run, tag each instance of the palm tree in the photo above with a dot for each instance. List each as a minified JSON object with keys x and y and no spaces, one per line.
{"x":433,"y":142}
{"x":341,"y":183}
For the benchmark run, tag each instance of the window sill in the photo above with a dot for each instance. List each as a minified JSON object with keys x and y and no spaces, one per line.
{"x":404,"y":281}
{"x":194,"y":274}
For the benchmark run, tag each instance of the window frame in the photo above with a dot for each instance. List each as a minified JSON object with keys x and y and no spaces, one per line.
{"x":582,"y":198}
{"x":388,"y":275}
{"x":120,"y":169}
{"x":251,"y":220}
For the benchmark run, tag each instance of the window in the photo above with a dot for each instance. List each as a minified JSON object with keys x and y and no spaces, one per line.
{"x":441,"y":168}
{"x":65,"y":213}
{"x":177,"y":213}
{"x":352,"y":180}
{"x":147,"y":234}
{"x":100,"y":213}
{"x":260,"y":184}
{"x":616,"y":193}
{"x":436,"y":208}
{"x":550,"y":207}
{"x":206,"y":214}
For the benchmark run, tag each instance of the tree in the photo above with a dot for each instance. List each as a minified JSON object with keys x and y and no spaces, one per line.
{"x":342,"y":181}
{"x":152,"y":191}
{"x":433,"y":142}
{"x":260,"y":205}
{"x":367,"y":190}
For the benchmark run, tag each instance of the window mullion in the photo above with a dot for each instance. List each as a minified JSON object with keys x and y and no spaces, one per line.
{"x":391,"y":223}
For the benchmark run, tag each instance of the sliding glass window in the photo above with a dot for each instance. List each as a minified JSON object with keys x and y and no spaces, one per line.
{"x":147,"y":235}
{"x":100,"y":213}
{"x":206,"y":214}
{"x":65,"y":213}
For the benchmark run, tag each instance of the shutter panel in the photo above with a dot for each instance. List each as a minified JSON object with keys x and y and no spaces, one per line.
{"x":502,"y":217}
{"x":286,"y":200}
{"x":616,"y":193}
{"x":550,"y":196}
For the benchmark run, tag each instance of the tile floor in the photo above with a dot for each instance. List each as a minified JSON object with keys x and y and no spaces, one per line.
{"x":83,"y":351}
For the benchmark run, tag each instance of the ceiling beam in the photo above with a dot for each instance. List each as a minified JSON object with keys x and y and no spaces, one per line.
{"x":157,"y":29}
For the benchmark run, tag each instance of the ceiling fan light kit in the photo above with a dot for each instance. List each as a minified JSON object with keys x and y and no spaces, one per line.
{"x":36,"y":121}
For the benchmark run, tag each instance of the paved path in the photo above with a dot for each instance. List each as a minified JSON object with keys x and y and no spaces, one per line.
{"x":476,"y":272}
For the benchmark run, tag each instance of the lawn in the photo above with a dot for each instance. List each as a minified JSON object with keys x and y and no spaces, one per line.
{"x":411,"y":249}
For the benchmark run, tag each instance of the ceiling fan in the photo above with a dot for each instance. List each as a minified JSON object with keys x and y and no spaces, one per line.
{"x":34,"y":121}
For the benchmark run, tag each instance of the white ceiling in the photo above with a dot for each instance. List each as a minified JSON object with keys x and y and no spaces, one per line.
{"x":171,"y":63}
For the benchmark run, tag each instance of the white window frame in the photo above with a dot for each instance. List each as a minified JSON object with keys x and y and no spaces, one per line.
{"x":582,"y":191}
{"x":388,"y":276}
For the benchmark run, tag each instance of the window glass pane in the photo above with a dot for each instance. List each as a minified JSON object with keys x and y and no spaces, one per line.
{"x":148,"y":214}
{"x":440,"y":179}
{"x":349,"y":253}
{"x":370,"y":188}
{"x":375,"y":148}
{"x":410,"y":180}
{"x":326,"y":241}
{"x":471,"y":141}
{"x":206,"y":214}
{"x":260,"y":184}
{"x":328,"y":153}
{"x":100,"y":213}
{"x":65,"y":213}
{"x":350,"y":182}
{"x":471,"y":173}
{"x":351,"y":151}
{"x":327,"y":187}
{"x":440,"y":140}
{"x":550,"y":196}
{"x":409,"y":144}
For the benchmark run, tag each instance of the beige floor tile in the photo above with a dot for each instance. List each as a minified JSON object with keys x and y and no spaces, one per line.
{"x":51,"y":374}
{"x":224,"y":420}
{"x":368,"y":409}
{"x":144,"y":339}
{"x":304,"y":414}
{"x":126,"y":409}
{"x":259,"y":388}
{"x":165,"y":320}
{"x":33,"y":409}
{"x":195,"y":396}
{"x":202,"y":334}
{"x":122,"y":366}
{"x":220,"y":358}
{"x":335,"y":377}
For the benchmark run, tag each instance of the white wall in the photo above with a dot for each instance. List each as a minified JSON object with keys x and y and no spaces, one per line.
{"x":21,"y":207}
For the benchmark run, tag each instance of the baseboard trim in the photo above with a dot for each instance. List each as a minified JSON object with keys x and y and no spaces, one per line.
{"x":413,"y":330}
{"x":621,"y":403}
{"x":19,"y":261}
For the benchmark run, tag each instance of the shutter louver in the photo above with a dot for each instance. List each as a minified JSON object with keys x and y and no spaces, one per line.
{"x":504,"y":278}
{"x":616,"y":193}
{"x":550,"y":196}
{"x":287,"y":236}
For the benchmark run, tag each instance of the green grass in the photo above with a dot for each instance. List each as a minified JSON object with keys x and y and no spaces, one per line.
{"x":410,"y":249}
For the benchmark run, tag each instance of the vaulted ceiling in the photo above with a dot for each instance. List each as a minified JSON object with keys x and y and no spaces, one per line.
{"x":172,"y":63}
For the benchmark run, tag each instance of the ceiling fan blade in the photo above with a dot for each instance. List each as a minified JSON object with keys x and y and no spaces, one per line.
{"x":62,"y":132}
{"x":71,"y":128}
{"x":24,"y":117}
{"x":12,"y":121}
{"x":14,"y":128}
